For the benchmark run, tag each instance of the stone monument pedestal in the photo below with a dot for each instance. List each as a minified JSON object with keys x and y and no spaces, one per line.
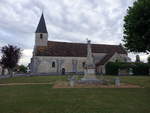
{"x":89,"y":74}
{"x":90,"y":71}
{"x":90,"y":79}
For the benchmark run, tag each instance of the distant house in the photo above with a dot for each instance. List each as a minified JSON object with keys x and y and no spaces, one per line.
{"x":0,"y":69}
{"x":64,"y":57}
{"x":5,"y":71}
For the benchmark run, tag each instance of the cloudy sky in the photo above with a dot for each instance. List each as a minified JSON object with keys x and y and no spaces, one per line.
{"x":101,"y":21}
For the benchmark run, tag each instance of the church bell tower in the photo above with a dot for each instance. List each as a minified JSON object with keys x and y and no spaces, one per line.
{"x":41,"y":34}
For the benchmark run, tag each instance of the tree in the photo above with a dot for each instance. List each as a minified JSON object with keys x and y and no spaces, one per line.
{"x":22,"y":69}
{"x":148,"y":59}
{"x":137,"y":27}
{"x":10,"y":57}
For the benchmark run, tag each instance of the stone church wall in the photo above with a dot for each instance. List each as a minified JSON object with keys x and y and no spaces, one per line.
{"x":56,"y":64}
{"x":43,"y":64}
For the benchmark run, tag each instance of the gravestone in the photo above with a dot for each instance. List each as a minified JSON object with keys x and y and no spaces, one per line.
{"x":117,"y":82}
{"x":72,"y":81}
{"x":130,"y":71}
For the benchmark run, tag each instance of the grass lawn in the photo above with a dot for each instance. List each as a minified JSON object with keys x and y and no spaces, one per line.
{"x":33,"y":79}
{"x":45,"y":99}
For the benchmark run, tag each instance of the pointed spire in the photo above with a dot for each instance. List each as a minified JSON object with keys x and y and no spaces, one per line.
{"x":41,"y":28}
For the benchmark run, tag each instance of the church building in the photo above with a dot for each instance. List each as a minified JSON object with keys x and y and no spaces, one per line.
{"x":54,"y":57}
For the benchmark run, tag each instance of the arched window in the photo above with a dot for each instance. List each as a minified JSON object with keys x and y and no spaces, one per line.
{"x":53,"y":64}
{"x":41,"y":36}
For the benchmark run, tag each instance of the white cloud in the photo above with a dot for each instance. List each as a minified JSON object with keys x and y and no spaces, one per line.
{"x":26,"y":56}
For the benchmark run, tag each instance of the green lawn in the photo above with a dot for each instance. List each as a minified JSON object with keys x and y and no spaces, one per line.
{"x":33,"y":79}
{"x":45,"y":99}
{"x":143,"y":81}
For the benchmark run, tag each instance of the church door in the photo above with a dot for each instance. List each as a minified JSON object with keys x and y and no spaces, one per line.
{"x":63,"y":71}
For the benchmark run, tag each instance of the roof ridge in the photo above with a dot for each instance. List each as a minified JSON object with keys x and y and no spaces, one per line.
{"x":83,"y":43}
{"x":105,"y":58}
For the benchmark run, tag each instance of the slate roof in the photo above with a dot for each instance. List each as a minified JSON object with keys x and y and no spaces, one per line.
{"x":41,"y":28}
{"x":66,"y":49}
{"x":105,"y":59}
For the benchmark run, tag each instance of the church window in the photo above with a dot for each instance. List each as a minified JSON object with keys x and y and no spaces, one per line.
{"x":53,"y":64}
{"x":41,"y":36}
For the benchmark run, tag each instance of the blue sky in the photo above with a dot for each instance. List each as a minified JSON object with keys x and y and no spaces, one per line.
{"x":101,"y":21}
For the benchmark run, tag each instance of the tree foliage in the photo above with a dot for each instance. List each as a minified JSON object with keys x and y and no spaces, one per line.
{"x":22,"y":69}
{"x":112,"y":68}
{"x":137,"y":27}
{"x":10,"y":57}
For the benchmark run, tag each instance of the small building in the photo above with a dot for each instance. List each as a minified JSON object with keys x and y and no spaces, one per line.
{"x":0,"y":70}
{"x":55,"y":57}
{"x":3,"y":71}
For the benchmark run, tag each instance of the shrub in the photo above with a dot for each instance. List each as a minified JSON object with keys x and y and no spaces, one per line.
{"x":141,"y":69}
{"x":112,"y":68}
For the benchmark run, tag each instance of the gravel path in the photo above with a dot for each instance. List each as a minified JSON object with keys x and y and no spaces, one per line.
{"x":17,"y":84}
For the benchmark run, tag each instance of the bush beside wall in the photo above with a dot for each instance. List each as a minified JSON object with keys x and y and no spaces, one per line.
{"x":141,"y":69}
{"x":112,"y":68}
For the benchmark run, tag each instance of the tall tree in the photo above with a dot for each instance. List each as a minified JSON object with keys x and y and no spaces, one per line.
{"x":137,"y":27}
{"x":10,"y":57}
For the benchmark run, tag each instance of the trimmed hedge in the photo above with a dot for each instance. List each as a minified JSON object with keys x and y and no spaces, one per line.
{"x":141,"y":69}
{"x":112,"y":68}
